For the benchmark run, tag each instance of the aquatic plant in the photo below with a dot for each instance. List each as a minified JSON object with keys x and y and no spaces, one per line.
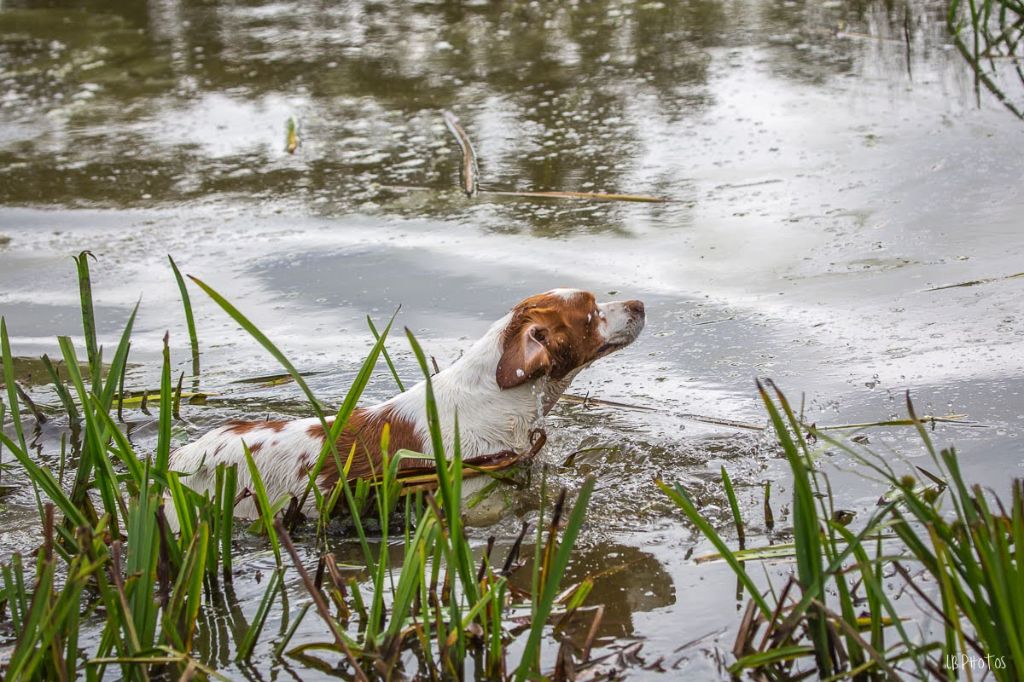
{"x":837,"y":615}
{"x":109,"y":549}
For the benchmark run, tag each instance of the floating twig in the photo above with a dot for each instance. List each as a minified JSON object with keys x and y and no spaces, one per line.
{"x":593,"y":196}
{"x":718,"y":421}
{"x":955,"y":419}
{"x":743,"y":185}
{"x":273,"y":379}
{"x":724,"y":319}
{"x":469,"y":171}
{"x":587,"y":400}
{"x":976,"y":282}
{"x":596,"y":196}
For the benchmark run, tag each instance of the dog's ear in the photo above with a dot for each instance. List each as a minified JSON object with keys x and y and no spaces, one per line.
{"x":525,"y":358}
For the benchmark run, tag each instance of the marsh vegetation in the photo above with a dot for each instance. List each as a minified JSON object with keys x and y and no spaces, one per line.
{"x":437,"y":608}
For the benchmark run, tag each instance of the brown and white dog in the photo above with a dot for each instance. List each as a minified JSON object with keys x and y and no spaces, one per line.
{"x":499,"y":389}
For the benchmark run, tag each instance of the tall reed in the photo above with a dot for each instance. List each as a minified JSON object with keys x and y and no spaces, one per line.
{"x":837,"y":614}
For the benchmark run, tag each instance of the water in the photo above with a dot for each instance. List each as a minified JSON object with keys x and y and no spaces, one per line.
{"x":824,"y":173}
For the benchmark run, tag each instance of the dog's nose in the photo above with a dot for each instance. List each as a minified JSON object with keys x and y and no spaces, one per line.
{"x":635,"y":308}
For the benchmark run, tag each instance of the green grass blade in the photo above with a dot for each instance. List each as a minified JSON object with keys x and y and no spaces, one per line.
{"x":46,"y":482}
{"x":163,"y":441}
{"x":190,"y":321}
{"x":118,"y":363}
{"x":29,"y":649}
{"x":412,"y":571}
{"x":735,"y":506}
{"x":227,"y":516}
{"x":122,"y":448}
{"x":283,"y":644}
{"x":61,"y":390}
{"x":449,"y":478}
{"x":88,"y":317}
{"x":266,"y":511}
{"x":549,"y":590}
{"x":255,"y":332}
{"x":143,"y":549}
{"x":685,"y":503}
{"x":806,"y":529}
{"x":248,"y":642}
{"x":348,"y":406}
{"x":12,"y":394}
{"x":384,"y":352}
{"x":359,"y":384}
{"x":877,"y":589}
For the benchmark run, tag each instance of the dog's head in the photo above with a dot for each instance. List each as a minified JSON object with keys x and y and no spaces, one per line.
{"x":560,"y":331}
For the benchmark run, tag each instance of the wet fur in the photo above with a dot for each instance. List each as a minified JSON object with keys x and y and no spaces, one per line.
{"x":575,"y":330}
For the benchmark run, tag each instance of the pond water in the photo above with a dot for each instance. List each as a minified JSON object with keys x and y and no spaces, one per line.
{"x":827,"y":165}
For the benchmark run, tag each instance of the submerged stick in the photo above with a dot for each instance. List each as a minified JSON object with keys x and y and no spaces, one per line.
{"x":469,"y":171}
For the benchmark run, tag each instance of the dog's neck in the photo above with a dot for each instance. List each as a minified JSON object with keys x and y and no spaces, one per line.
{"x":490,"y":419}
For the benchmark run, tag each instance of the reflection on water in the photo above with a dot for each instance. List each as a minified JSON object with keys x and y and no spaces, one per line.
{"x":165,"y":102}
{"x":627,"y":581}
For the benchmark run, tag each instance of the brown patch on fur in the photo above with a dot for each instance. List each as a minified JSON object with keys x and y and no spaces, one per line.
{"x":240,"y":427}
{"x":255,"y":447}
{"x":364,"y":430}
{"x":317,"y":430}
{"x":549,"y":334}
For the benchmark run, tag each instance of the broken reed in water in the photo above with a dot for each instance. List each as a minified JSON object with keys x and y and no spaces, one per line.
{"x":469,"y":171}
{"x":469,"y":175}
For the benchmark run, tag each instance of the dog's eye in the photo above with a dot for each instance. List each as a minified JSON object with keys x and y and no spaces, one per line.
{"x":540,"y":334}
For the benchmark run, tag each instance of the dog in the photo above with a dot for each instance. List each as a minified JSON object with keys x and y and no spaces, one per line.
{"x":499,"y":389}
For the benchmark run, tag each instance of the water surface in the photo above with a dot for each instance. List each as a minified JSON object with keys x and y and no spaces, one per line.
{"x":826,"y":164}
